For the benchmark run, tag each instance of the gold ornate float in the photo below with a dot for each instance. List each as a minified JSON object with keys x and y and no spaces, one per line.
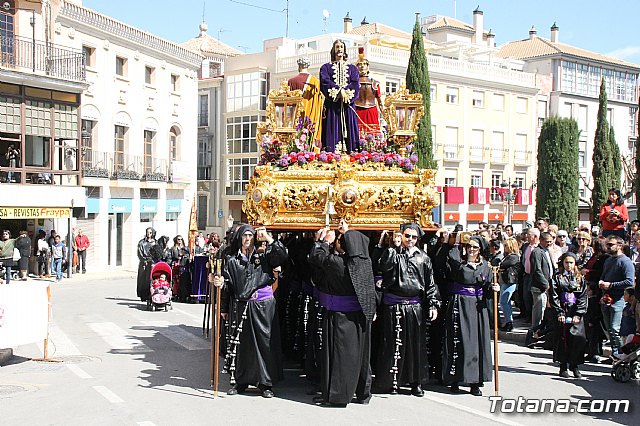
{"x":306,"y":190}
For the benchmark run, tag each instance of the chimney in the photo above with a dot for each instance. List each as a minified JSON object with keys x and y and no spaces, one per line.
{"x":348,"y":24}
{"x":491,"y":39}
{"x":555,"y":31}
{"x":532,"y":33}
{"x":478,"y":18}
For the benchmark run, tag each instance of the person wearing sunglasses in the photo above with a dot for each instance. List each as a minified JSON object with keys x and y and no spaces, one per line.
{"x":467,"y":349}
{"x":584,"y":251}
{"x":410,"y":296}
{"x":617,"y":274}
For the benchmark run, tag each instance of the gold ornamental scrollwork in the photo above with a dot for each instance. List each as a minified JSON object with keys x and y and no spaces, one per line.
{"x":284,"y":108}
{"x":403,"y":111}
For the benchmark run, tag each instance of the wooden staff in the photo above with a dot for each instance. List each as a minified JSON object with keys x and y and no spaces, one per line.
{"x":495,"y":328}
{"x":216,"y":335}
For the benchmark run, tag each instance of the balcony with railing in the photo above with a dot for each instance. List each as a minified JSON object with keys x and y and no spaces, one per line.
{"x":47,"y":59}
{"x":522,"y":158}
{"x":126,"y":166}
{"x":96,"y":163}
{"x":478,"y":154}
{"x":499,"y":156}
{"x":449,"y":152}
{"x":154,"y":169}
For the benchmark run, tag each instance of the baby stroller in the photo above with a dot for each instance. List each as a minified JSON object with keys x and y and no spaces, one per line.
{"x":160,"y":290}
{"x":627,"y":367}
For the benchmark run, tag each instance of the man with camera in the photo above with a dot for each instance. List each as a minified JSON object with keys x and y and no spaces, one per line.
{"x":13,"y":157}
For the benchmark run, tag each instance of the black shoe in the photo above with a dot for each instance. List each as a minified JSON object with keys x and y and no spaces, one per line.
{"x":318,"y":399}
{"x":475,"y":390}
{"x":564,"y":374}
{"x":237,"y":389}
{"x":267,"y":393}
{"x":417,"y":391}
{"x":576,"y":373}
{"x":364,"y":401}
{"x":507,"y":327}
{"x":455,"y":389}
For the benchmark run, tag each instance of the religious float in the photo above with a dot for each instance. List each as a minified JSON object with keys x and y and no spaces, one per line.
{"x":298,"y":187}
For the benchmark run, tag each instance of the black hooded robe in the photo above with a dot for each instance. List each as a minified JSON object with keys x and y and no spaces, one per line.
{"x":568,"y":297}
{"x":257,"y":355}
{"x":346,"y":350}
{"x":145,"y":261}
{"x":466,"y":357}
{"x":403,"y":324}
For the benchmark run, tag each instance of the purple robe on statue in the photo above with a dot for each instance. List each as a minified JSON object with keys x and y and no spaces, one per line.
{"x":340,"y":123}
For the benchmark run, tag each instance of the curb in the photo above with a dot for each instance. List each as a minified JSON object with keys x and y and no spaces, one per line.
{"x":5,"y":355}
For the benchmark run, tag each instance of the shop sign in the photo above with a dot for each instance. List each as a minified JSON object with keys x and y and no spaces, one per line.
{"x":34,"y":212}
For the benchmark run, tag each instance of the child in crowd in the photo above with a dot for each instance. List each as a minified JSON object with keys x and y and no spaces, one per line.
{"x":593,"y":324}
{"x":628,"y":324}
{"x":160,"y":284}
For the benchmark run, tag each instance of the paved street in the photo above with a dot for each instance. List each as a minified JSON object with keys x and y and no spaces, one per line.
{"x":125,"y":365}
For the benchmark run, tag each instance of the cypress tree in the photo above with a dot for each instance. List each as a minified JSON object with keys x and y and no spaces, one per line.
{"x":418,"y":82}
{"x":601,"y":171}
{"x":616,"y":160}
{"x":558,"y":172}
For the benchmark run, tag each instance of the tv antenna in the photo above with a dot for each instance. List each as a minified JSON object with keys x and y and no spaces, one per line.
{"x":204,"y":5}
{"x":222,"y":30}
{"x":285,"y":10}
{"x":325,"y":14}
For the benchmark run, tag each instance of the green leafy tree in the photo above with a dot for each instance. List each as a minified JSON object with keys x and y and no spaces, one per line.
{"x":558,"y":173}
{"x":602,"y":163}
{"x":616,"y":160}
{"x":418,"y":82}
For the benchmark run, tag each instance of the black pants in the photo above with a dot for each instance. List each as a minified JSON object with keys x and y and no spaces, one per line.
{"x":82,"y":260}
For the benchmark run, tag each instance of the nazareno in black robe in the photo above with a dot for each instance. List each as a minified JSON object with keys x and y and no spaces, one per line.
{"x":404,"y":354}
{"x":568,"y":297}
{"x":346,"y":336}
{"x":145,"y":262}
{"x":466,"y":357}
{"x":255,"y":325}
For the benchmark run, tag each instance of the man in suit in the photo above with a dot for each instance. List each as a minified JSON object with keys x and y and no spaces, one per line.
{"x":542,"y":270}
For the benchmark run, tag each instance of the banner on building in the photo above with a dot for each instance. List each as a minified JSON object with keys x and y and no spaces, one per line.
{"x":24,"y":311}
{"x":35,"y":212}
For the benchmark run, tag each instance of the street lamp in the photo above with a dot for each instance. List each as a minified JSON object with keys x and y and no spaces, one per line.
{"x":508,"y":192}
{"x":6,"y":6}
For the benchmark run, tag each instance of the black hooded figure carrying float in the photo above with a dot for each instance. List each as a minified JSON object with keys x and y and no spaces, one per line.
{"x":145,"y":261}
{"x":247,"y":294}
{"x":346,"y":290}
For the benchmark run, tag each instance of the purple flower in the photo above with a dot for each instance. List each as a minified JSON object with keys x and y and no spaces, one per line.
{"x":302,"y":160}
{"x":362,"y":160}
{"x":414,"y":158}
{"x":284,"y":162}
{"x":409,"y":167}
{"x":323,"y":157}
{"x":389,"y":161}
{"x":337,"y":157}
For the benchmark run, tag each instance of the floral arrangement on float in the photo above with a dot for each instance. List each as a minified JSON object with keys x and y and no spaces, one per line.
{"x":304,"y":150}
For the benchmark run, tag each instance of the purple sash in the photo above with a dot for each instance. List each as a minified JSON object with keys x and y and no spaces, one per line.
{"x":339,"y":303}
{"x":466,"y":290}
{"x":392,"y":299}
{"x":568,"y":298}
{"x":263,"y":293}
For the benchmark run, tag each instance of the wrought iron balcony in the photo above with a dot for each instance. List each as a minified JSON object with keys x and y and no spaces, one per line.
{"x":95,"y":163}
{"x":154,"y":169}
{"x":23,"y":54}
{"x":126,"y":166}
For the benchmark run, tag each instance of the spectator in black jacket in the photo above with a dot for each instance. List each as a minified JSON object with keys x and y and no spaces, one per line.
{"x":542,"y":270}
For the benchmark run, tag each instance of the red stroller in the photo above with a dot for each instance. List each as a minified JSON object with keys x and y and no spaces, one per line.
{"x":160,"y":288}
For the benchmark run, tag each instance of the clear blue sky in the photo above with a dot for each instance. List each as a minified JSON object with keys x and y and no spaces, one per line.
{"x":609,"y":27}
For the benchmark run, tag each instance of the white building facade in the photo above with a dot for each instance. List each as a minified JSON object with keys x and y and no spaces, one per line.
{"x":138,"y":120}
